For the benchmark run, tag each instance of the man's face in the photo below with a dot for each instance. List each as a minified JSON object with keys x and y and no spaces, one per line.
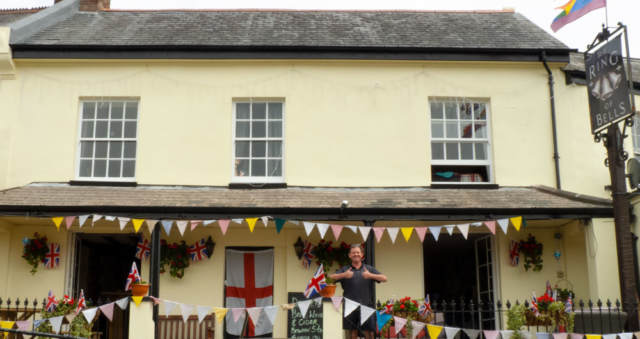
{"x":355,"y":254}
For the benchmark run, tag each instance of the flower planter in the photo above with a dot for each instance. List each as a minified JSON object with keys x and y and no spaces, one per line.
{"x":328,"y":291}
{"x":140,"y":290}
{"x":543,"y":320}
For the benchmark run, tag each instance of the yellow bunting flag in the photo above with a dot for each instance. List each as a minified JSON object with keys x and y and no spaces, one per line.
{"x":6,"y":324}
{"x":516,"y":222}
{"x":252,"y":223}
{"x":220,"y":313}
{"x":406,"y":231}
{"x":57,"y":221}
{"x":137,"y":223}
{"x":434,"y":331}
{"x":137,"y":300}
{"x":593,"y":336}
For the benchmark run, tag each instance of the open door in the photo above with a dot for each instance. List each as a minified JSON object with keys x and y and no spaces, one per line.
{"x":486,"y":276}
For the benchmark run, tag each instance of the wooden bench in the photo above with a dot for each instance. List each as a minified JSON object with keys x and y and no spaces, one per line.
{"x":174,"y":327}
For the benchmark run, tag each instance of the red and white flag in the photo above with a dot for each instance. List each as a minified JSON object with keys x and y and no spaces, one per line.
{"x":514,"y":255}
{"x":249,"y":284}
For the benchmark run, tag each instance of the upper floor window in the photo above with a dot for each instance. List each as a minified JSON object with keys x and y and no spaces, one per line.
{"x":258,"y":141}
{"x":460,"y":146}
{"x":108,"y":140}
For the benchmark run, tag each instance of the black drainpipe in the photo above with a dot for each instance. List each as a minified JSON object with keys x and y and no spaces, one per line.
{"x":556,"y":155}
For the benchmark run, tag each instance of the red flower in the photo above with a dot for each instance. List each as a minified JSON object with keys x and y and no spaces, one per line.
{"x":39,"y":245}
{"x":322,"y":241}
{"x":401,"y":306}
{"x":173,"y":263}
{"x":179,"y":256}
{"x":329,"y":249}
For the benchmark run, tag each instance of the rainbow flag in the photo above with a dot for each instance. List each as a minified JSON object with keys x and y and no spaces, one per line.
{"x":574,"y":10}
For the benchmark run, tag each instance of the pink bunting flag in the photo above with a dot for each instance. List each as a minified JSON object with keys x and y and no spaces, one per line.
{"x":107,"y":310}
{"x":23,"y":325}
{"x":336,"y":302}
{"x":421,"y":232}
{"x":237,"y":313}
{"x":337,"y":229}
{"x":156,"y":301}
{"x":400,"y":322}
{"x":224,"y":224}
{"x":491,"y":334}
{"x":491,"y":225}
{"x":576,"y":336}
{"x":254,"y":314}
{"x":195,"y":223}
{"x":561,"y":335}
{"x":69,"y":221}
{"x":378,"y":231}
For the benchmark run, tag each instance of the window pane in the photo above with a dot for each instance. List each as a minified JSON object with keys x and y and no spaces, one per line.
{"x":275,"y":110}
{"x":259,"y":111}
{"x":275,"y":129}
{"x":131,"y":110}
{"x":437,"y":151}
{"x":274,"y":168}
{"x":242,"y":168}
{"x":115,"y":151}
{"x":242,"y":129}
{"x":466,"y":111}
{"x":465,"y":129}
{"x":479,"y":111}
{"x":116,"y":129}
{"x":86,"y":149}
{"x":242,"y":149}
{"x":117,"y":110}
{"x":242,"y":111}
{"x":114,"y":168}
{"x":101,"y":149}
{"x":437,"y":129}
{"x":450,"y":111}
{"x":88,"y":110}
{"x":466,"y":151}
{"x":275,"y":149}
{"x":103,"y":110}
{"x":102,"y":129}
{"x":130,"y":150}
{"x":481,"y":130}
{"x":100,"y":169}
{"x":436,"y":110}
{"x":87,"y":129}
{"x":258,"y":149}
{"x":85,"y":168}
{"x":258,"y":168}
{"x":452,"y":129}
{"x":130,"y":129}
{"x":481,"y":151}
{"x":452,"y":151}
{"x":258,"y":129}
{"x":129,"y":168}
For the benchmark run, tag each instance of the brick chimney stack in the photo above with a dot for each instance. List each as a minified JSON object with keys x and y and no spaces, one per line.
{"x":94,"y":5}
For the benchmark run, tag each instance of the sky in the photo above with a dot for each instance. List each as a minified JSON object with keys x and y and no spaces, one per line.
{"x":542,"y":12}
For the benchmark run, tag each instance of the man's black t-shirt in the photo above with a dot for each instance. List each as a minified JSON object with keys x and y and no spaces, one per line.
{"x":357,"y":288}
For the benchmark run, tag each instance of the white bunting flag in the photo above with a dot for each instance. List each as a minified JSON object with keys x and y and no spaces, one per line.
{"x":237,"y":313}
{"x":123,"y":303}
{"x":95,"y":218}
{"x":565,"y":335}
{"x":202,"y":312}
{"x":308,"y":227}
{"x":542,"y":335}
{"x":265,"y":220}
{"x":604,"y":336}
{"x":182,"y":225}
{"x":56,"y":323}
{"x":24,"y":326}
{"x":295,"y":222}
{"x":451,"y":332}
{"x":464,"y":229}
{"x":186,"y":311}
{"x":435,"y":231}
{"x":254,"y":314}
{"x":507,"y":334}
{"x":476,"y":224}
{"x":626,"y":335}
{"x":70,"y":317}
{"x":82,"y":219}
{"x":393,"y":233}
{"x":504,"y":224}
{"x":322,"y":228}
{"x":151,"y":224}
{"x":304,"y":306}
{"x":473,"y":334}
{"x":400,"y":322}
{"x":237,"y":221}
{"x":123,"y":222}
{"x":271,"y":312}
{"x":365,"y":313}
{"x":109,"y":218}
{"x":318,"y":301}
{"x":349,"y":306}
{"x":207,"y":222}
{"x":417,"y":327}
{"x":336,"y":302}
{"x":449,"y":229}
{"x":169,"y":306}
{"x":525,"y":334}
{"x":352,"y":228}
{"x":364,"y":230}
{"x":90,"y":314}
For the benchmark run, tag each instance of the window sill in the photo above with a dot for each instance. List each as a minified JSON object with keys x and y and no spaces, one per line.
{"x":486,"y":186}
{"x":103,"y":183}
{"x":254,"y":186}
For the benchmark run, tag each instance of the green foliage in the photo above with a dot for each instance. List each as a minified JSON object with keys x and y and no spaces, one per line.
{"x":563,"y":318}
{"x":563,"y":294}
{"x":532,"y":251}
{"x":34,"y":251}
{"x":516,"y":320}
{"x":326,"y":254}
{"x":79,"y":327}
{"x":176,"y":256}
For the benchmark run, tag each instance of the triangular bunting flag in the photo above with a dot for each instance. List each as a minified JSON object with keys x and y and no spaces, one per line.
{"x":69,"y":221}
{"x":123,"y":222}
{"x":393,"y":233}
{"x":318,"y":301}
{"x":182,"y":226}
{"x":186,"y":311}
{"x":220,"y":313}
{"x":516,"y":222}
{"x":406,"y":232}
{"x":151,"y":224}
{"x":378,"y":231}
{"x":237,"y":313}
{"x":308,"y":227}
{"x":542,"y":335}
{"x":590,"y":336}
{"x":473,"y":334}
{"x":124,"y":303}
{"x":349,"y":306}
{"x":107,"y":310}
{"x":504,"y":224}
{"x":254,"y":314}
{"x":490,"y":334}
{"x":449,"y":229}
{"x":322,"y":228}
{"x":400,"y":322}
{"x":525,"y":334}
{"x":169,"y":306}
{"x":579,"y":335}
{"x":491,"y":225}
{"x":90,"y":314}
{"x":304,"y":306}
{"x":24,"y":326}
{"x":382,"y":319}
{"x":295,"y":222}
{"x":95,"y":218}
{"x":37,"y":322}
{"x":625,"y":335}
{"x":7,"y":325}
{"x":202,"y":312}
{"x":464,"y":229}
{"x":564,"y":336}
{"x":156,"y":301}
{"x":434,"y":331}
{"x":279,"y":224}
{"x":252,"y":223}
{"x":195,"y":223}
{"x":271,"y":312}
{"x":224,"y":224}
{"x":506,"y":334}
{"x":265,"y":220}
{"x":238,"y":221}
{"x":364,"y":230}
{"x":56,"y":323}
{"x":435,"y":231}
{"x":365,"y":313}
{"x":207,"y":222}
{"x":352,"y":228}
{"x":137,"y":300}
{"x":166,"y":224}
{"x":70,"y":317}
{"x":421,"y":232}
{"x":417,"y":327}
{"x":451,"y":332}
{"x":337,"y":229}
{"x":137,"y":223}
{"x":82,"y":219}
{"x":336,"y":302}
{"x":110,"y":218}
{"x":57,"y":221}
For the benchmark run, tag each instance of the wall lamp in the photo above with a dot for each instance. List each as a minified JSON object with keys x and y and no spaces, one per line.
{"x":299,"y":246}
{"x":210,"y":245}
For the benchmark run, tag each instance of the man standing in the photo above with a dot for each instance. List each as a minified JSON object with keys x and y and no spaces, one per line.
{"x":357,"y":282}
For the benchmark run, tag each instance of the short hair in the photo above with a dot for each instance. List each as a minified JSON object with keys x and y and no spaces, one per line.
{"x":356,"y":246}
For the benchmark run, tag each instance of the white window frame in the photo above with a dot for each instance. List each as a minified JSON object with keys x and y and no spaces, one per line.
{"x":94,"y":139}
{"x":488,"y":162}
{"x":265,"y":179}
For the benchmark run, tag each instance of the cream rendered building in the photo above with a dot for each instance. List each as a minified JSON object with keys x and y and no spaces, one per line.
{"x":415,"y":118}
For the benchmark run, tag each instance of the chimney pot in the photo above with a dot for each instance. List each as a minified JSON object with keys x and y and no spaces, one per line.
{"x":94,"y":5}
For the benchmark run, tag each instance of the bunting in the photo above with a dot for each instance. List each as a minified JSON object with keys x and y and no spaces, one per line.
{"x":378,"y":231}
{"x":107,"y":310}
{"x":220,"y":313}
{"x":516,"y":222}
{"x":435,"y":231}
{"x":450,"y":228}
{"x":82,"y":219}
{"x":383,"y":319}
{"x":202,"y":312}
{"x":393,"y":233}
{"x":69,"y":221}
{"x":182,"y":226}
{"x":421,"y":232}
{"x":271,"y":312}
{"x":151,"y":224}
{"x":166,"y":224}
{"x":224,"y":224}
{"x":95,"y":218}
{"x":186,"y":311}
{"x":57,"y":221}
{"x":349,"y":306}
{"x":308,"y":227}
{"x":169,"y":306}
{"x":304,"y":306}
{"x":137,"y":223}
{"x":417,"y":328}
{"x":504,"y":224}
{"x":406,"y":232}
{"x":252,"y":223}
{"x":337,"y":229}
{"x":279,"y":224}
{"x":451,"y":332}
{"x":491,"y":225}
{"x":322,"y":228}
{"x":490,"y":334}
{"x":254,"y":314}
{"x":365,"y":313}
{"x":434,"y":331}
{"x":364,"y":230}
{"x":464,"y":229}
{"x":399,"y":324}
{"x":195,"y":223}
{"x":123,"y":222}
{"x":265,"y":220}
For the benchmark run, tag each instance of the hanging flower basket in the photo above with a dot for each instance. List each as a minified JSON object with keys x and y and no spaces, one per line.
{"x":35,"y":250}
{"x":545,"y":318}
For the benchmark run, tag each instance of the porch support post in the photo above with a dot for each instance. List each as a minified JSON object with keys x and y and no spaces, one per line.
{"x":154,"y":274}
{"x":370,"y":255}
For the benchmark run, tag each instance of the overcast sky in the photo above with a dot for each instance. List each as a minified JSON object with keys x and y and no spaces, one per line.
{"x":576,"y":35}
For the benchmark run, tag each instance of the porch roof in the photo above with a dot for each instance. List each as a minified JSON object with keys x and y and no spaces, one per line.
{"x":534,"y":202}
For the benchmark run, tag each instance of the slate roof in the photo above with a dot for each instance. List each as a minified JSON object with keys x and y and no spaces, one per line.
{"x":376,"y":29}
{"x":577,"y":64}
{"x":7,"y":17}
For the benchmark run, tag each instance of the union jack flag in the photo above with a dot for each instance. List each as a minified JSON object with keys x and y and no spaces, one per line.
{"x":389,"y":306}
{"x":316,"y":284}
{"x":307,"y":254}
{"x":132,"y":277}
{"x":549,"y":290}
{"x":81,"y":303}
{"x":534,"y":305}
{"x":52,"y":302}
{"x":425,"y":308}
{"x":513,"y":253}
{"x":143,"y":249}
{"x":198,"y":251}
{"x":568,"y":307}
{"x":52,"y":259}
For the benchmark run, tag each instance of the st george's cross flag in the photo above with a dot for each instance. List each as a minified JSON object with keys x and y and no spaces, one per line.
{"x":425,"y":308}
{"x":307,"y":254}
{"x":52,"y":258}
{"x":132,"y":277}
{"x":316,"y":284}
{"x":198,"y":251}
{"x":249,"y":284}
{"x":81,"y":303}
{"x":143,"y":249}
{"x":52,"y":302}
{"x":514,"y":256}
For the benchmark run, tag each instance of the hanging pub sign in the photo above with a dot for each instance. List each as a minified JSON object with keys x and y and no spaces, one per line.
{"x":607,"y":86}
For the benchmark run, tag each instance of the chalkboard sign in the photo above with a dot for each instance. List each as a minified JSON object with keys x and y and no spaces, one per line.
{"x":309,"y":327}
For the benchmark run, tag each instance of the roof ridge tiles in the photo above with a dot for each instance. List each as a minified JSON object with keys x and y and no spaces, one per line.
{"x":312,"y":10}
